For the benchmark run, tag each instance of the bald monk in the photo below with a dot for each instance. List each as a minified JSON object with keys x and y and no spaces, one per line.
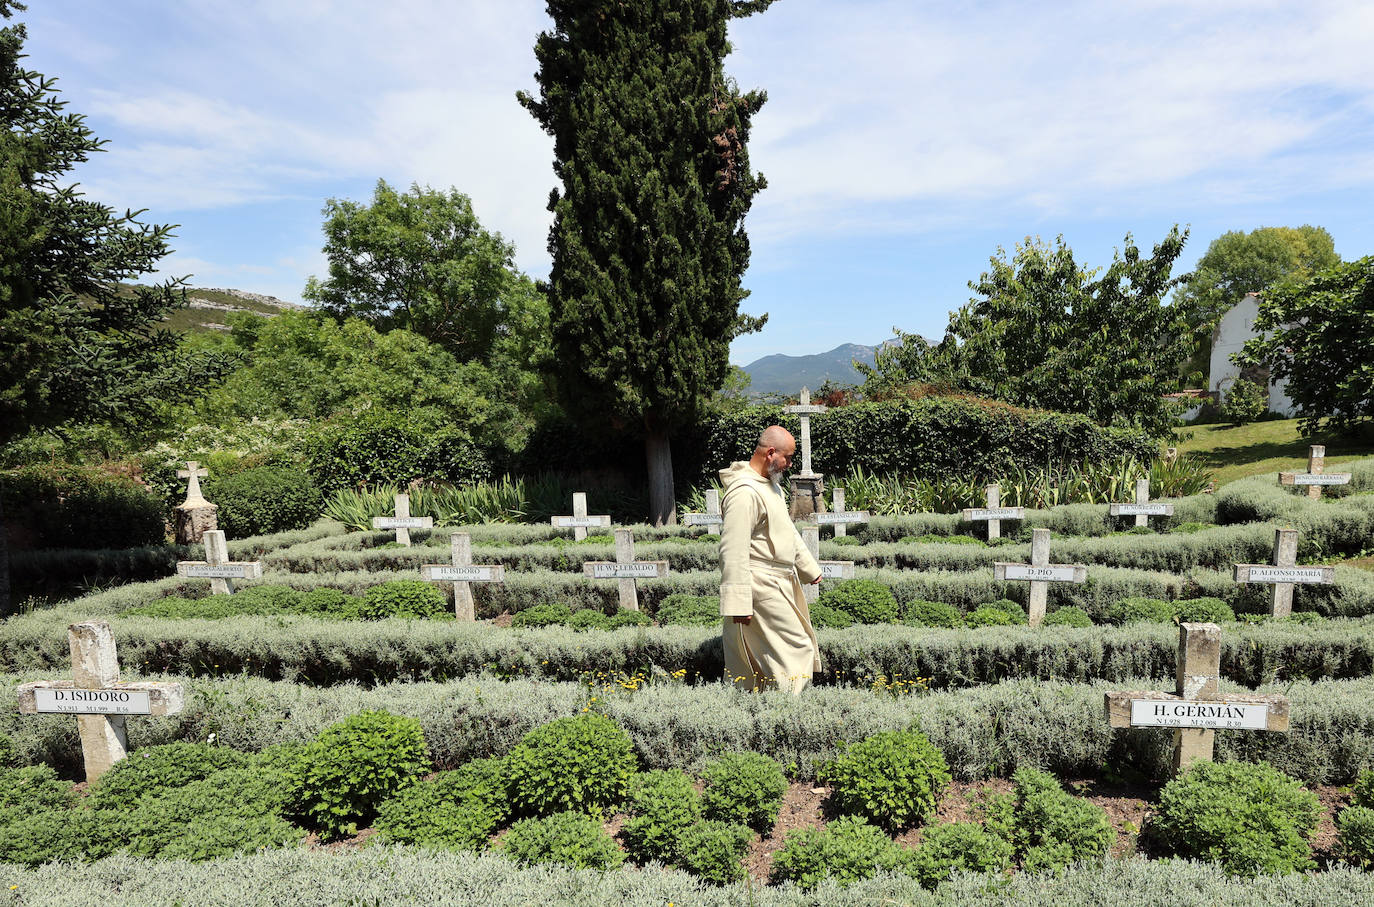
{"x":766,"y":624}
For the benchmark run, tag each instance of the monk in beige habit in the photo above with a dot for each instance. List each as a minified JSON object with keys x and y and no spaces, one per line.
{"x":767,"y":630}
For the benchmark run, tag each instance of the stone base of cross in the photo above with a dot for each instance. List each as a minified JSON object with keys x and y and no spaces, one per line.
{"x":1283,"y":573}
{"x":1197,"y":710}
{"x":1143,"y":508}
{"x":626,"y":569}
{"x":1040,"y":572}
{"x":462,"y":572}
{"x":712,"y":515}
{"x":838,"y":517}
{"x":811,"y":537}
{"x":217,"y":567}
{"x":97,"y":698}
{"x":994,"y":513}
{"x":579,"y":521}
{"x":403,"y":522}
{"x":1316,"y":477}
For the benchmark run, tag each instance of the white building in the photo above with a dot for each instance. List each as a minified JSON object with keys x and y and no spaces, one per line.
{"x":1236,"y":327}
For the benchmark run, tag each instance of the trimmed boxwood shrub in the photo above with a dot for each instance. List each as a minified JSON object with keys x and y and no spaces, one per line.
{"x":988,"y":616}
{"x":545,"y":615}
{"x":952,"y":847}
{"x":627,"y":617}
{"x":584,"y":619}
{"x":865,"y":600}
{"x":846,"y":850}
{"x":570,"y":838}
{"x":892,"y":778}
{"x":744,"y":787}
{"x":1068,"y":616}
{"x":1356,"y":827}
{"x":662,"y":805}
{"x":459,"y":809}
{"x":689,"y":610}
{"x":32,"y":789}
{"x":933,"y":614}
{"x":1053,"y":828}
{"x":1137,"y":609}
{"x":715,"y":850}
{"x":264,"y":499}
{"x":1204,"y":610}
{"x":159,"y":768}
{"x":402,"y":598}
{"x":825,"y":617}
{"x":583,"y":762}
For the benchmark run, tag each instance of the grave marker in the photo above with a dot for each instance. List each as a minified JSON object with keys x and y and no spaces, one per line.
{"x":1143,"y":508}
{"x":807,"y":486}
{"x":462,"y":572}
{"x":97,"y":698}
{"x":626,"y":569}
{"x":1316,"y":476}
{"x":403,"y":522}
{"x":194,"y":516}
{"x":994,"y":512}
{"x":712,"y":515}
{"x":579,"y":521}
{"x":1197,"y":710}
{"x":1039,"y":572}
{"x":811,"y":537}
{"x":217,"y":567}
{"x":1283,"y":573}
{"x":839,"y":517}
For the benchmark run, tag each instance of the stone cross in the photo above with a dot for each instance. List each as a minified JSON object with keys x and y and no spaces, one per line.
{"x":994,"y":512}
{"x":403,"y":522}
{"x":1283,"y":573}
{"x":462,"y":572}
{"x":1040,"y":572}
{"x":808,"y":487}
{"x":97,"y":697}
{"x":579,"y":521}
{"x":194,"y":516}
{"x":811,"y":537}
{"x":1197,"y":710}
{"x":1315,"y":477}
{"x":1142,"y":509}
{"x":195,"y":474}
{"x":712,"y":515}
{"x":626,"y":569}
{"x":217,"y":567}
{"x":838,"y":516}
{"x":805,"y":409}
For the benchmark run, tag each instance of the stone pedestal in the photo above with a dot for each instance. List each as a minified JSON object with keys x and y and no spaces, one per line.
{"x":193,"y":520}
{"x":807,"y":495}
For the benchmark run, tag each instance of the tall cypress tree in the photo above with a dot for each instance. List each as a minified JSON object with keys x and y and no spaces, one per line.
{"x":648,"y":242}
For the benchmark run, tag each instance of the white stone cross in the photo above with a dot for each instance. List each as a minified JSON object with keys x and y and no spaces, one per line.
{"x":994,"y":512}
{"x":1197,"y":710}
{"x":462,"y":572}
{"x":1283,"y":573}
{"x":1142,"y":509}
{"x":805,"y":409}
{"x":626,"y":569}
{"x":1039,"y":572}
{"x":712,"y":515}
{"x":811,"y":537}
{"x":217,"y":567}
{"x":403,"y":522}
{"x":579,"y":521}
{"x":1316,"y":476}
{"x":195,"y":474}
{"x":838,"y":516}
{"x":97,"y":697}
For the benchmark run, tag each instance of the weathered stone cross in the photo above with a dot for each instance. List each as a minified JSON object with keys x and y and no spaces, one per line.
{"x":712,"y":515}
{"x":1283,"y":573}
{"x":1142,"y":509}
{"x":1316,"y":476}
{"x":807,"y":486}
{"x":195,"y":474}
{"x":97,"y":697}
{"x":994,"y":512}
{"x":403,"y":522}
{"x":217,"y":567}
{"x":811,"y":537}
{"x":579,"y":521}
{"x":626,"y":569}
{"x":838,"y":516}
{"x":1197,"y":710}
{"x":1040,"y":572}
{"x":195,"y":515}
{"x":462,"y":572}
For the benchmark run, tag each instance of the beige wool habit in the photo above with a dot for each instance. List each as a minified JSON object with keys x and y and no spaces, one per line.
{"x":763,"y":563}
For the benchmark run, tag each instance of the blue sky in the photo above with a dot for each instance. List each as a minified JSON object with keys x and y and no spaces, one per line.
{"x":903,"y":142}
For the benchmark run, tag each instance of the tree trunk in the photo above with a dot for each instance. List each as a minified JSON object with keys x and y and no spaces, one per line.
{"x":5,"y":604}
{"x":658,"y":451}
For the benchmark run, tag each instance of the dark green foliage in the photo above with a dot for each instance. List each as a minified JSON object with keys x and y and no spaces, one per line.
{"x":1054,"y":829}
{"x":952,"y":847}
{"x":583,"y":763}
{"x":689,"y":610}
{"x":662,"y":805}
{"x":865,"y":600}
{"x":627,"y":617}
{"x":1356,"y":827}
{"x":265,"y":499}
{"x":933,"y":614}
{"x":1250,"y":818}
{"x":1067,"y":616}
{"x":52,"y":506}
{"x":823,"y":616}
{"x":743,"y":787}
{"x":402,"y":598}
{"x":542,"y":615}
{"x":1203,"y":610}
{"x":1306,"y":618}
{"x":352,"y":767}
{"x":157,"y":768}
{"x":324,"y":600}
{"x":48,"y":835}
{"x":715,"y":850}
{"x":988,"y":616}
{"x":584,"y":619}
{"x":940,"y":540}
{"x":321,"y":601}
{"x":570,"y":838}
{"x":893,"y":778}
{"x":32,"y":789}
{"x":845,"y":540}
{"x":1136,"y":609}
{"x":1245,"y":402}
{"x":1009,"y":607}
{"x":388,"y":447}
{"x":1362,"y":791}
{"x":847,"y":850}
{"x":1190,"y":527}
{"x":452,"y":809}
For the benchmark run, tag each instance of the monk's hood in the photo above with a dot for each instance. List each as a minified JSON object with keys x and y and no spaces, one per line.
{"x":741,"y":471}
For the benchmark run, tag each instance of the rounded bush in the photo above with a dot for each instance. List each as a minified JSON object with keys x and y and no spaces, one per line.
{"x":847,"y":850}
{"x":1362,"y":791}
{"x":1068,"y":616}
{"x":952,"y":847}
{"x":443,"y":811}
{"x":892,"y":778}
{"x":1053,"y":828}
{"x":545,"y":615}
{"x":1250,"y":818}
{"x":662,"y":805}
{"x":745,"y":788}
{"x":352,"y":767}
{"x":933,"y":614}
{"x":627,"y":617}
{"x":264,"y":499}
{"x":324,"y":600}
{"x":586,"y":619}
{"x":689,"y":610}
{"x":824,"y":617}
{"x":1356,"y":827}
{"x":34,"y":788}
{"x":402,"y":598}
{"x":988,"y":616}
{"x":1203,"y":610}
{"x":1136,"y":609}
{"x":715,"y":850}
{"x":1190,"y":527}
{"x":846,"y":540}
{"x":581,"y":763}
{"x":569,"y":838}
{"x":159,"y":768}
{"x":867,"y":601}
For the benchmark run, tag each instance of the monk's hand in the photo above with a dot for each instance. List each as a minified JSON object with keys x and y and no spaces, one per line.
{"x":816,"y":581}
{"x":745,"y":619}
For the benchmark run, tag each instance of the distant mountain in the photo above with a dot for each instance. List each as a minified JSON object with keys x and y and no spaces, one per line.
{"x":208,"y":309}
{"x":779,"y":374}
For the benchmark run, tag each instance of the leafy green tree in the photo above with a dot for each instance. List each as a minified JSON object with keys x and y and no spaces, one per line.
{"x":648,"y":245}
{"x":1319,"y":334}
{"x":80,"y":346}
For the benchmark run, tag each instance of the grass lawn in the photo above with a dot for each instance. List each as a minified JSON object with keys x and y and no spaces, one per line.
{"x":1236,"y":451}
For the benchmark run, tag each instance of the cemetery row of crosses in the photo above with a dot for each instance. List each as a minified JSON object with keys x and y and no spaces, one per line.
{"x":716,"y":803}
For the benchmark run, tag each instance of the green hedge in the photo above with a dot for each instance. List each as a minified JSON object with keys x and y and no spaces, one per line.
{"x":388,"y":447}
{"x":65,"y":506}
{"x":265,"y":499}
